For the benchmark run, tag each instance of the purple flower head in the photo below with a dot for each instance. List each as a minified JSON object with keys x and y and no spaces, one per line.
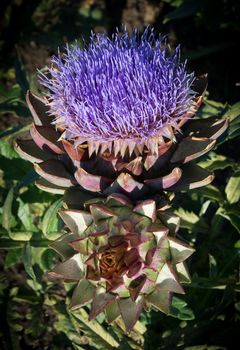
{"x":127,"y":89}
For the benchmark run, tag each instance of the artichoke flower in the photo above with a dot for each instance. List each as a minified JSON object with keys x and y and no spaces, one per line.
{"x":118,"y":118}
{"x":122,"y":256}
{"x":116,"y":135}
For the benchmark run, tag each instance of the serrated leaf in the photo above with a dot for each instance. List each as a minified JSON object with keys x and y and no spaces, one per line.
{"x":211,"y":108}
{"x":217,"y":162}
{"x":188,"y":218}
{"x":180,"y":310}
{"x":191,"y":221}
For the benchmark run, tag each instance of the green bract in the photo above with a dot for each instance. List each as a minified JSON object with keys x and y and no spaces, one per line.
{"x":123,"y":256}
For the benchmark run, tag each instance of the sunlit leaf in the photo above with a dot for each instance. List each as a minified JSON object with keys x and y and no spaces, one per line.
{"x":232,"y":189}
{"x":181,"y":310}
{"x":7,"y":210}
{"x":27,"y":260}
{"x":51,"y":224}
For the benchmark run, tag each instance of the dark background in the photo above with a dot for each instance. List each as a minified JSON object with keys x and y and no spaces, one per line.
{"x":208,"y":31}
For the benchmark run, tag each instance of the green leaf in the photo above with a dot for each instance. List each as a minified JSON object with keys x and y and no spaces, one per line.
{"x":212,"y":108}
{"x":211,"y":192}
{"x":232,"y":189}
{"x":186,"y":9}
{"x":77,"y":347}
{"x":14,"y":132}
{"x":234,"y":219}
{"x":25,"y":216}
{"x":48,"y":259}
{"x":97,"y":335}
{"x":181,"y":310}
{"x":217,"y":162}
{"x":188,"y":218}
{"x":15,"y":106}
{"x":6,"y":243}
{"x":191,"y":221}
{"x":233,"y":130}
{"x":170,"y":220}
{"x":15,"y":92}
{"x":13,"y":256}
{"x":7,"y":210}
{"x":20,"y":235}
{"x":27,"y":260}
{"x":51,"y":224}
{"x":7,"y":150}
{"x":237,"y":244}
{"x":234,"y":111}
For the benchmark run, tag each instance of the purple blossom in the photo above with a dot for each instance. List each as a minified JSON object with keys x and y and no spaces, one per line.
{"x":128,"y":87}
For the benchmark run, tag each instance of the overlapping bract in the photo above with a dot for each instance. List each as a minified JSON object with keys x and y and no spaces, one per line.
{"x":164,"y":167}
{"x":123,"y":256}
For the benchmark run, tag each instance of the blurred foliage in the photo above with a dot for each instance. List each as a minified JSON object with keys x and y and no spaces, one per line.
{"x":33,"y":308}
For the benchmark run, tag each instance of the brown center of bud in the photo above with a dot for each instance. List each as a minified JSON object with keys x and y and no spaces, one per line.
{"x":112,"y":262}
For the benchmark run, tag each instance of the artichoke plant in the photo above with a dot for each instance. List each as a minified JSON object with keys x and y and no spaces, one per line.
{"x":117,"y":133}
{"x":123,"y":257}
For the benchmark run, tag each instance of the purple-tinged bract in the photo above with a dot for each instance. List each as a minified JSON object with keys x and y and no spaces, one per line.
{"x":128,"y":87}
